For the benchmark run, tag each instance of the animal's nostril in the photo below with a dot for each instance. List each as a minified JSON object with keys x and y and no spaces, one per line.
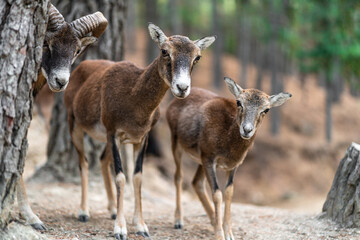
{"x":60,"y":82}
{"x":247,"y":129}
{"x":182,"y":88}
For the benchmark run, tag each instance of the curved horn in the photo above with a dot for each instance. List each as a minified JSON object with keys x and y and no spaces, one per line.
{"x":95,"y":23}
{"x":56,"y":20}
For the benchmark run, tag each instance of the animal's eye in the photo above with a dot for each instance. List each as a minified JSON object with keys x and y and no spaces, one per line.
{"x":164,"y":53}
{"x":77,"y":52}
{"x":238,"y":103}
{"x":197,"y":59}
{"x":266,"y":110}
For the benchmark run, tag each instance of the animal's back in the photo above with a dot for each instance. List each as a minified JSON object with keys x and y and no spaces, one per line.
{"x":81,"y":74}
{"x":185,"y":114}
{"x":95,"y":82}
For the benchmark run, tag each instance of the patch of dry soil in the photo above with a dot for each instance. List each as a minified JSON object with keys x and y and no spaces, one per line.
{"x":57,"y":205}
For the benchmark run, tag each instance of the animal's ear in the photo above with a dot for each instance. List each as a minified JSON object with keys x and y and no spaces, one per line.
{"x":279,"y":99}
{"x":157,"y":34}
{"x":85,"y":43}
{"x":204,"y":42}
{"x":235,"y":89}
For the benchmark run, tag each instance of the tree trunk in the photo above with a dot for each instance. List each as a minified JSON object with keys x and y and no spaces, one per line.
{"x":174,"y":17}
{"x":151,"y":15}
{"x":343,"y":200}
{"x":274,"y":113}
{"x":244,"y":40}
{"x":62,"y":160}
{"x":131,"y":26}
{"x":22,"y":31}
{"x":217,"y":50}
{"x":260,"y":60}
{"x":275,"y":63}
{"x":328,"y":108}
{"x":354,"y":86}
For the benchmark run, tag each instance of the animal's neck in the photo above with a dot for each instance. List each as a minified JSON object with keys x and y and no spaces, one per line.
{"x":150,"y":87}
{"x":40,"y":82}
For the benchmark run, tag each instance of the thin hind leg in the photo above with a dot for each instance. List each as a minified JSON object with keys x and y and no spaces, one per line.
{"x":105,"y":169}
{"x":198,"y":184}
{"x":178,"y":180}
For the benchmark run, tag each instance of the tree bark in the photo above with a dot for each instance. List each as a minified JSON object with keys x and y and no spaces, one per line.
{"x":328,"y":108}
{"x":131,"y":26}
{"x":62,"y":160}
{"x":174,"y":17}
{"x":151,"y":15}
{"x":243,"y":37}
{"x":218,"y":45}
{"x":22,"y":31}
{"x":343,"y":200}
{"x":275,"y":17}
{"x":260,"y":60}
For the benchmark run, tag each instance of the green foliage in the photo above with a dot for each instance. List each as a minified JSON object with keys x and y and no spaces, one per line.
{"x":330,"y":31}
{"x":311,"y":33}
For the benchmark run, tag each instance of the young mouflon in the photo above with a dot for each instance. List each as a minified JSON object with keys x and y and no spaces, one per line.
{"x":216,"y":132}
{"x":117,"y":103}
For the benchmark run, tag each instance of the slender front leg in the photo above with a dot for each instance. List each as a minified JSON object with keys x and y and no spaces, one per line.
{"x":210,"y":172}
{"x":105,"y":169}
{"x":141,"y":228}
{"x":120,"y":231}
{"x":24,"y":207}
{"x":199,"y":186}
{"x":229,"y":190}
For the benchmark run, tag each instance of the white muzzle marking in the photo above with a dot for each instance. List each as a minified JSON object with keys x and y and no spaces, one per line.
{"x":59,"y":79}
{"x":181,"y":83}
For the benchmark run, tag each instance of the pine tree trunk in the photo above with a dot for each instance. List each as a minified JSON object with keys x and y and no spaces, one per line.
{"x":151,"y":15}
{"x":244,"y":39}
{"x":328,"y":108}
{"x":343,"y":200}
{"x":131,"y":26}
{"x":62,"y":162}
{"x":217,"y":50}
{"x":22,"y":30}
{"x":260,"y":59}
{"x":174,"y":17}
{"x":275,"y":60}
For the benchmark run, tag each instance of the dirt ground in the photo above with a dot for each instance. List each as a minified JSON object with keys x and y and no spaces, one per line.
{"x":57,"y":205}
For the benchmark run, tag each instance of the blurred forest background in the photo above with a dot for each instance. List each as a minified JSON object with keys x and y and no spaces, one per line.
{"x":308,"y":48}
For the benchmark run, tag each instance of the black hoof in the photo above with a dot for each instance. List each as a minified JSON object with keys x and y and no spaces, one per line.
{"x":39,"y":226}
{"x":143,"y":234}
{"x":113,"y":216}
{"x":83,"y":218}
{"x":120,"y":236}
{"x":178,"y":226}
